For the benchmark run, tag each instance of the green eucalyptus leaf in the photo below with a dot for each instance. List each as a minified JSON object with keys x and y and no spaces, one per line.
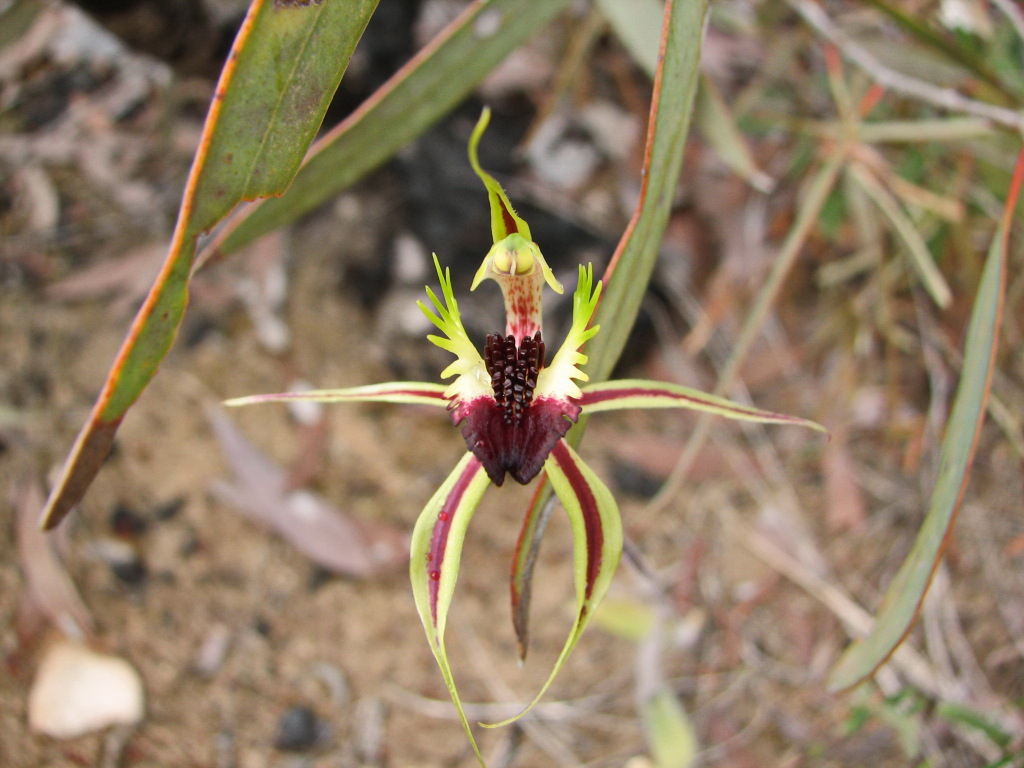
{"x":423,"y":91}
{"x":285,"y":65}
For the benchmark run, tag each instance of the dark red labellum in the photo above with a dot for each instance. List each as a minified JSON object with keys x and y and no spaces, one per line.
{"x":521,"y":447}
{"x":512,"y":432}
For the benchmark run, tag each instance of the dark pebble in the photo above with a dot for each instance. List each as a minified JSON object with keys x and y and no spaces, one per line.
{"x":131,"y":572}
{"x":169,"y":509}
{"x":298,"y":730}
{"x":631,"y":479}
{"x":127,"y":523}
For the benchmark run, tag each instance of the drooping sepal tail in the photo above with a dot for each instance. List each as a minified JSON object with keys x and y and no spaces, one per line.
{"x":597,"y":544}
{"x":435,"y":553}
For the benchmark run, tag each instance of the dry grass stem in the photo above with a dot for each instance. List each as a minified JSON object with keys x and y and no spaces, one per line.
{"x":899,"y":82}
{"x":855,"y":619}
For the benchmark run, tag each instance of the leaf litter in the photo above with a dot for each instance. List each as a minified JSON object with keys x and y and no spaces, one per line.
{"x":260,"y":490}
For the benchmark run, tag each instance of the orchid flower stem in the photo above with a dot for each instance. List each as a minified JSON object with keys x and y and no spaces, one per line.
{"x":515,"y":407}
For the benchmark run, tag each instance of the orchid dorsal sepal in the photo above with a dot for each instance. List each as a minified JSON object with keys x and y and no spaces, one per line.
{"x":504,"y":219}
{"x":410,"y":392}
{"x":597,"y":546}
{"x":641,"y":393}
{"x":505,"y":222}
{"x":435,"y":552}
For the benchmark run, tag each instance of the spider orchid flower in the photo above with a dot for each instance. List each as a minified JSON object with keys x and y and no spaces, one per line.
{"x":515,"y":406}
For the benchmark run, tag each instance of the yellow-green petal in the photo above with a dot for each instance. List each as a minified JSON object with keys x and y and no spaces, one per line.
{"x":597,"y":544}
{"x":435,"y":552}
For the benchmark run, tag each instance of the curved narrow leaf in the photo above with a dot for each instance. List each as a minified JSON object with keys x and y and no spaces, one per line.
{"x":674,"y":90}
{"x":640,"y":393}
{"x":434,"y":561}
{"x":597,"y":544}
{"x":413,"y":392}
{"x":48,"y":588}
{"x":945,"y":42}
{"x":717,"y":125}
{"x":426,"y":88}
{"x":284,"y":67}
{"x":675,"y":87}
{"x":905,"y":594}
{"x":638,"y":25}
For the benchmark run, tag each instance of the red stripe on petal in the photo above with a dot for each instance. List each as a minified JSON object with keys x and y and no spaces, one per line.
{"x":604,"y":395}
{"x":588,"y":506}
{"x":442,"y":527}
{"x":639,"y":391}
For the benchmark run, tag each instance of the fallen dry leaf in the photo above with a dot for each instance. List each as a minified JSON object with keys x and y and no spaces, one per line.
{"x":48,"y":587}
{"x":1014,"y":547}
{"x":260,"y":491}
{"x":126,"y":279}
{"x":845,"y":506}
{"x":657,"y":456}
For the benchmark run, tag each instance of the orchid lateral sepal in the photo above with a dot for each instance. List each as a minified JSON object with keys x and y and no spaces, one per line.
{"x":435,"y":553}
{"x":524,"y":561}
{"x":597,"y":545}
{"x":409,"y":392}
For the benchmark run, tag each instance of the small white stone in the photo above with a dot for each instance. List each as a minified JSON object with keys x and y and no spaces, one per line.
{"x":77,"y":691}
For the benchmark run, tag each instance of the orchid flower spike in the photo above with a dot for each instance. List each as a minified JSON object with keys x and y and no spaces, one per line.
{"x":515,"y":407}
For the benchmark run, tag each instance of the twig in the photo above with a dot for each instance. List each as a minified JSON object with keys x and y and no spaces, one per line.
{"x":947,"y":98}
{"x":855,"y":619}
{"x":807,"y":217}
{"x":539,"y":731}
{"x":553,"y":711}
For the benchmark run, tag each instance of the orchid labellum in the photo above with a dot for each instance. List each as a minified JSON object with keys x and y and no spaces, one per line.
{"x":515,"y":406}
